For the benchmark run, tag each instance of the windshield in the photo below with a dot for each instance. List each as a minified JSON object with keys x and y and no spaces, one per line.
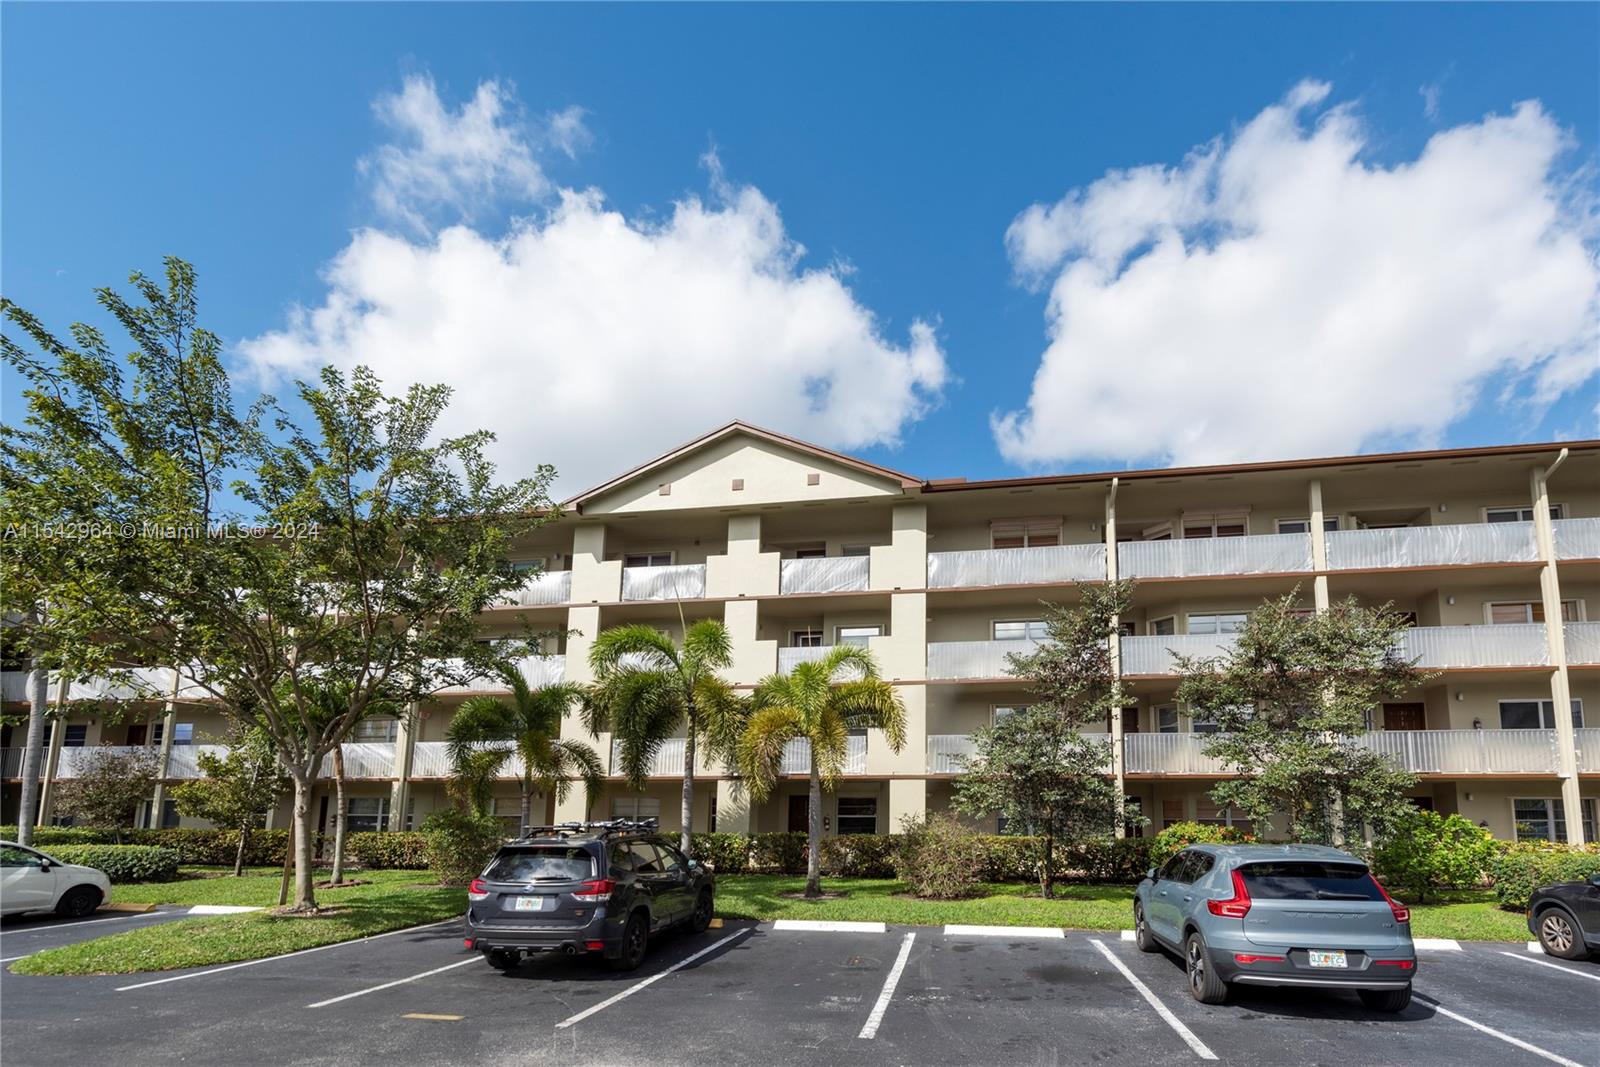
{"x":549,"y":864}
{"x":1310,"y":880}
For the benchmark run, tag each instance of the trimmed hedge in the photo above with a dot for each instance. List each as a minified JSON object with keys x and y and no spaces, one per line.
{"x":406,"y":850}
{"x":726,"y":853}
{"x":123,"y":863}
{"x":1524,"y":867}
{"x":44,"y":836}
{"x":1180,"y":835}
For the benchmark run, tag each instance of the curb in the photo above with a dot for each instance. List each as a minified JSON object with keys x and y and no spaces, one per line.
{"x":959,"y":930}
{"x":135,"y":908}
{"x":827,"y":927}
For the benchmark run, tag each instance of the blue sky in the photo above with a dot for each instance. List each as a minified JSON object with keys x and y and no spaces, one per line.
{"x":899,"y":145}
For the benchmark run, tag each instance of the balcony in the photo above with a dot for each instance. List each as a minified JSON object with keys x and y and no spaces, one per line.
{"x":547,"y":587}
{"x":1588,"y":740}
{"x":684,"y":581}
{"x":797,"y":756}
{"x":1467,"y":647}
{"x":668,"y":761}
{"x":1016,"y":566}
{"x":1432,"y":546}
{"x":830,"y":574}
{"x":789,"y":658}
{"x":13,"y":686}
{"x":537,"y":671}
{"x":11,"y":762}
{"x":1583,"y":643}
{"x":1145,"y":656}
{"x":1577,"y":538}
{"x":1468,"y":751}
{"x":1208,"y":556}
{"x":946,"y":753}
{"x":366,"y":759}
{"x":974,"y":659}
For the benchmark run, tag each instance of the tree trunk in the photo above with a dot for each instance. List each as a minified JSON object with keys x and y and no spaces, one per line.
{"x":338,"y":815}
{"x":686,"y":836}
{"x":1047,"y":873}
{"x":32,"y":757}
{"x":814,"y":833}
{"x":238,"y":857}
{"x":305,"y":895}
{"x":527,"y":808}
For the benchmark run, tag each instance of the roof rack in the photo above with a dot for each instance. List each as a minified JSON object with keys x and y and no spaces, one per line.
{"x":608,"y":826}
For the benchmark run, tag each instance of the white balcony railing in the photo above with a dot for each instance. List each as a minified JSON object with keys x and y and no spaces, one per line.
{"x":13,"y":685}
{"x":1203,"y":556}
{"x":946,"y":753}
{"x":537,"y":671}
{"x":789,"y":658}
{"x":1577,"y":538}
{"x":11,"y":762}
{"x":797,"y":756}
{"x":1016,"y":566}
{"x":1168,"y":754}
{"x":827,"y":574}
{"x":683,"y":581}
{"x":1447,"y":647}
{"x":668,"y":760}
{"x":546,"y":587}
{"x":1583,"y":643}
{"x":1432,"y":546}
{"x":1468,"y":751}
{"x":974,"y":659}
{"x":368,"y":759}
{"x":1588,"y":740}
{"x":184,"y":760}
{"x":1157,"y":655}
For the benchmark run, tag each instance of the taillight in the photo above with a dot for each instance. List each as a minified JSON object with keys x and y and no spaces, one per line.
{"x":595,"y":890}
{"x":1402,"y":914}
{"x":1236,"y":906}
{"x":478,"y":890}
{"x":1246,"y":957}
{"x":1404,"y":965}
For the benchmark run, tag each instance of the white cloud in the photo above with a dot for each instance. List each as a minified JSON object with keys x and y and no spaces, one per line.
{"x":592,"y":341}
{"x":1430,"y":94}
{"x":1279,"y":294}
{"x":568,"y":132}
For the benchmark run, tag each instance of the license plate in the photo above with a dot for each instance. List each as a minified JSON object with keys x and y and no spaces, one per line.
{"x":1328,"y":959}
{"x":537,"y":904}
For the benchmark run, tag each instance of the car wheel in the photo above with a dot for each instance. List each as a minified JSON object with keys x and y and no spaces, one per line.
{"x":701,"y":918}
{"x":635,"y":940}
{"x":1558,"y":933}
{"x":78,"y":901}
{"x":1386,"y":999}
{"x":1204,"y":982}
{"x":503,"y":961}
{"x":1143,"y":939}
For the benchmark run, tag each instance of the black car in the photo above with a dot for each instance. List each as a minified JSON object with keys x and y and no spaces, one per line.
{"x":583,"y":888}
{"x":1565,"y":917}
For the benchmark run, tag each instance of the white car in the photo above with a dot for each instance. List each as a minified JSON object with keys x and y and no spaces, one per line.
{"x":33,"y":881}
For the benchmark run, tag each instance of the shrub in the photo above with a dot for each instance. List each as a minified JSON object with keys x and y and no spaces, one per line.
{"x":459,"y":844}
{"x":1106,"y":859}
{"x":1429,"y":851}
{"x":726,"y":853}
{"x":123,"y":863}
{"x":389,"y":851}
{"x":1524,"y":867}
{"x":216,"y":848}
{"x":44,"y":836}
{"x":1011,"y":858}
{"x":941,"y":858}
{"x":1181,"y":835}
{"x":780,"y":853}
{"x":859,"y":855}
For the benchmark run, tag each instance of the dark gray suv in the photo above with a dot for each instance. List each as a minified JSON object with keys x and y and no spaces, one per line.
{"x":581,"y":888}
{"x":1278,"y":915}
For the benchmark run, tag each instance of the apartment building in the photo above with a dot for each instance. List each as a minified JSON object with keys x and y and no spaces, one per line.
{"x":1493,"y":552}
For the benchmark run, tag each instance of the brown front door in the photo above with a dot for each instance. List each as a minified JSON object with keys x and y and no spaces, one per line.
{"x":1404,"y":717}
{"x":799,"y":808}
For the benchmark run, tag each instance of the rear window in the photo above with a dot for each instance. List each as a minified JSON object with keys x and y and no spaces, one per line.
{"x":1303,"y":880}
{"x":550,"y":864}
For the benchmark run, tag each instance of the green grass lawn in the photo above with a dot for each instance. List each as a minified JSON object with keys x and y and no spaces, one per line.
{"x":392,"y":900}
{"x":1464,"y":916}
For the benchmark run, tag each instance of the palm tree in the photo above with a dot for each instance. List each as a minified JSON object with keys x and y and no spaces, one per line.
{"x":487,"y":731}
{"x":647,"y":690}
{"x":821,"y":702}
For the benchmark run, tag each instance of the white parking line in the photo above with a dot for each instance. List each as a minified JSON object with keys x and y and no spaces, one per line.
{"x":870,"y":1030}
{"x":830,"y":927}
{"x":631,"y":990}
{"x":85,"y":922}
{"x":221,"y":909}
{"x":1507,"y":1038}
{"x":1162,"y":1010}
{"x":13,"y":959}
{"x":958,"y":930}
{"x":1444,"y":944}
{"x":282,"y":956}
{"x":1547,"y":963}
{"x":391,"y":985}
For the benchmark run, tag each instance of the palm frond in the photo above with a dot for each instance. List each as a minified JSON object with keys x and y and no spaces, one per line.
{"x":641,"y":644}
{"x":707,"y":647}
{"x":574,"y":759}
{"x":875,"y":705}
{"x":761,"y":747}
{"x":846,"y":660}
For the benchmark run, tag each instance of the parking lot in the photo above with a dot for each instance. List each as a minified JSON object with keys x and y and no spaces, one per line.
{"x":773,"y":994}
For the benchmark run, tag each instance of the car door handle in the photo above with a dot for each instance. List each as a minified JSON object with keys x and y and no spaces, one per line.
{"x":1188,"y":898}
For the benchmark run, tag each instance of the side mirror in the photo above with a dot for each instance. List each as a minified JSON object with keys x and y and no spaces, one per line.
{"x":694,"y":864}
{"x":1594,"y":879}
{"x":45,"y":865}
{"x":1154,"y":874}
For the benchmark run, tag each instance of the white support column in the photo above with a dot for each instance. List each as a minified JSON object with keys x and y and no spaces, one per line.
{"x":583,"y":624}
{"x":405,"y":746}
{"x":1319,"y":549}
{"x":1555,"y":636}
{"x":1119,"y":762}
{"x":52,"y":756}
{"x":169,"y":723}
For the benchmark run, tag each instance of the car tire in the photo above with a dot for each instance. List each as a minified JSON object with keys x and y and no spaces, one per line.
{"x":1560,"y":935}
{"x":700,"y":918}
{"x":1390,"y":1000}
{"x":78,"y":901}
{"x":503,"y":961}
{"x":1205,"y":985}
{"x":635,"y":942}
{"x":1143,"y":939}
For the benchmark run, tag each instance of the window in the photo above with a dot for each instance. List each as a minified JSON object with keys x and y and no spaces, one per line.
{"x":672,"y":861}
{"x":647,"y":559}
{"x":183,"y":733}
{"x":1214,"y":524}
{"x":1167,"y":719}
{"x":1207,"y":813}
{"x":1025,"y":533}
{"x":1309,"y":880}
{"x":1228,"y":623}
{"x":1171,"y":812}
{"x":1127,"y":627}
{"x":811,"y":552}
{"x":547,"y":864}
{"x":855,"y":550}
{"x":858,"y":635}
{"x":645,"y":858}
{"x":1300,"y":526}
{"x":366,"y":814}
{"x":17,"y":856}
{"x":169,"y":814}
{"x":1133,"y":810}
{"x":1511,"y":612}
{"x":1517,"y":514}
{"x":1535,"y":715}
{"x":376,"y":730}
{"x":805,"y":638}
{"x":1203,"y":725}
{"x":858,"y":815}
{"x":1005,"y":711}
{"x":507,"y":811}
{"x":523,"y":566}
{"x":1163,"y":627}
{"x":634,"y":806}
{"x":1545,"y":819}
{"x":75,"y":737}
{"x":1020,"y":630}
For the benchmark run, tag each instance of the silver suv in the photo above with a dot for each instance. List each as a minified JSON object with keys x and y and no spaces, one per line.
{"x":1278,"y":915}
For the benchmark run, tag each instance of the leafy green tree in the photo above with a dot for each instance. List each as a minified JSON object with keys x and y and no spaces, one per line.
{"x":1290,"y":701}
{"x":261,"y":556}
{"x":647,"y":691}
{"x":487,"y":731}
{"x":239,"y":788}
{"x":1426,"y":852}
{"x":1036,"y":767}
{"x":819,"y":702}
{"x":109,"y":788}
